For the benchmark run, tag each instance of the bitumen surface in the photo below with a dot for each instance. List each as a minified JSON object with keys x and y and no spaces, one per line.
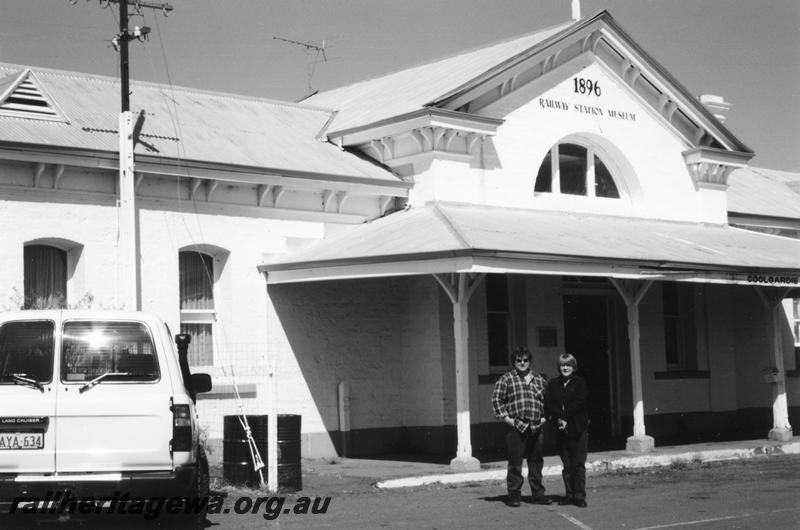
{"x":345,"y":475}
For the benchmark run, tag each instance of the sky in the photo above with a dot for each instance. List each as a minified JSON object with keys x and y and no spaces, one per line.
{"x":747,"y":51}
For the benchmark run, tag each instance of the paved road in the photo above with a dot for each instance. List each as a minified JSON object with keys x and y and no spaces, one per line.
{"x":758,"y":493}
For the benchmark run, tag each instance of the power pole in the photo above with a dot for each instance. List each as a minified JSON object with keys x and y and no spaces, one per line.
{"x":125,"y":35}
{"x":129,"y":279}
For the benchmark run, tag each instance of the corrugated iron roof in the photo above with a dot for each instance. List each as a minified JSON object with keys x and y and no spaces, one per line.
{"x":457,"y":229}
{"x":433,"y":84}
{"x":410,"y":89}
{"x":185,"y":124}
{"x":764,"y":192}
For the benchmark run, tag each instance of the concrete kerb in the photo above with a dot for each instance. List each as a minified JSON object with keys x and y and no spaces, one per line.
{"x":602,"y":463}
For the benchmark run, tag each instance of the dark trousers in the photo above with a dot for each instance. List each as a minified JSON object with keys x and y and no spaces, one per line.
{"x":572,"y":450}
{"x":524,"y":445}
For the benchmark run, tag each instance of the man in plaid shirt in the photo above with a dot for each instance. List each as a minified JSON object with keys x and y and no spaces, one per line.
{"x":518,"y":400}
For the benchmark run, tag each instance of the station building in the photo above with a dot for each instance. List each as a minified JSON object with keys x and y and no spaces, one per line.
{"x":369,"y":257}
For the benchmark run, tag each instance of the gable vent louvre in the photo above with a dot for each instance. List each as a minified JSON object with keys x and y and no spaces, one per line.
{"x":26,"y":98}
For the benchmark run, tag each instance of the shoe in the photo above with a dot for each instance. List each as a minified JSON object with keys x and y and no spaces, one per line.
{"x":564,"y":501}
{"x":513,"y":500}
{"x":541,"y":500}
{"x":580,"y":503}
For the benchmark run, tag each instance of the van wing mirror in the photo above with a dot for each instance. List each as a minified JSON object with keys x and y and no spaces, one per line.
{"x":201,"y":383}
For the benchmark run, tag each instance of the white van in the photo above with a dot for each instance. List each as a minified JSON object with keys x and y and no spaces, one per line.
{"x":97,"y":404}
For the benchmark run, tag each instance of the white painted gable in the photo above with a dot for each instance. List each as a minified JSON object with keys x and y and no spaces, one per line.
{"x":643,"y":154}
{"x":583,"y":102}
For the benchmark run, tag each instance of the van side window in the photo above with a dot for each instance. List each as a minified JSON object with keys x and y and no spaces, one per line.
{"x":26,"y":349}
{"x":123,"y":351}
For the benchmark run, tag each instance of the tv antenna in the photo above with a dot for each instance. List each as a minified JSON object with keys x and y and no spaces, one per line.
{"x":317,"y":49}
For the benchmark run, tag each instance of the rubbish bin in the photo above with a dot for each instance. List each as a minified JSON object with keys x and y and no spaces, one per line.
{"x":237,"y":464}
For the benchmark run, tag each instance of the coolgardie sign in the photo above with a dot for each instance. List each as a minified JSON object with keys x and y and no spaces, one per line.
{"x":590,"y":88}
{"x":765,"y":279}
{"x":770,"y":279}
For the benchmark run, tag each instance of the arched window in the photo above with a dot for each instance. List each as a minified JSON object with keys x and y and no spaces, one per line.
{"x":198,"y":313}
{"x":574,"y":169}
{"x":45,"y":277}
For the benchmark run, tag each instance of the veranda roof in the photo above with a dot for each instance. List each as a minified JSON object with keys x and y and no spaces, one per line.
{"x":449,"y":237}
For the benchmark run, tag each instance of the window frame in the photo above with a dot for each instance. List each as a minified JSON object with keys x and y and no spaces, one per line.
{"x":792,"y":309}
{"x":200,"y":316}
{"x":593,"y":154}
{"x":75,"y":294}
{"x":31,"y":298}
{"x":505,"y":314}
{"x":684,"y":318}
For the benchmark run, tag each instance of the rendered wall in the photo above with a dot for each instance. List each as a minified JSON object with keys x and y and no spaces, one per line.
{"x":380,"y":336}
{"x":82,"y":213}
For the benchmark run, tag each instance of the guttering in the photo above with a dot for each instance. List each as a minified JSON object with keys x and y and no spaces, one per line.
{"x":763,"y":221}
{"x":473,"y":261}
{"x":109,"y":160}
{"x":648,"y":266}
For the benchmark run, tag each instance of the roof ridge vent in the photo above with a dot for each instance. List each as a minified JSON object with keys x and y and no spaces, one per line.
{"x":23,"y":97}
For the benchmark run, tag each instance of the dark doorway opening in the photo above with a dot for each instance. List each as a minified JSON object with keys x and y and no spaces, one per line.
{"x":587,"y":332}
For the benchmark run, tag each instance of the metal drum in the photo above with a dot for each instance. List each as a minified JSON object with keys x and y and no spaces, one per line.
{"x":290,"y":476}
{"x":237,"y":464}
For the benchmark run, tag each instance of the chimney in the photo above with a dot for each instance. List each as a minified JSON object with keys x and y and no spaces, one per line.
{"x":576,"y":9}
{"x":716,"y":105}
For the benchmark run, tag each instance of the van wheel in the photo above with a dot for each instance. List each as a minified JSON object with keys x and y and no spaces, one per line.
{"x":202,"y":489}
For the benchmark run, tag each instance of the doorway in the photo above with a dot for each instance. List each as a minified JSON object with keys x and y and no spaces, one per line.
{"x":587,"y":333}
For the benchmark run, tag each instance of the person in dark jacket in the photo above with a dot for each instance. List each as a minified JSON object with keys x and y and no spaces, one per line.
{"x":566,"y":408}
